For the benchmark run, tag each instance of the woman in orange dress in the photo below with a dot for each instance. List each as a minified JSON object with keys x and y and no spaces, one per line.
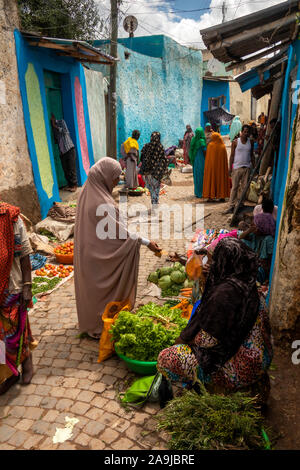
{"x":216,"y":178}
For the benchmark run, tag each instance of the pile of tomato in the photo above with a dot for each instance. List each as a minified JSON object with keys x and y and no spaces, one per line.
{"x":65,"y":249}
{"x":51,"y":270}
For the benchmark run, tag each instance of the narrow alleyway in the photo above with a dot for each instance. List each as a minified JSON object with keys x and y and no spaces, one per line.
{"x":68,"y":381}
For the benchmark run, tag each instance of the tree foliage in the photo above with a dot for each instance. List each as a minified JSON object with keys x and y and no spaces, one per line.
{"x":69,"y":19}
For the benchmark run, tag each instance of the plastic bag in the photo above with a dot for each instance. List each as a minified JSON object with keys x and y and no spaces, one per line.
{"x":110,"y":314}
{"x":194,"y":267}
{"x":143,"y":390}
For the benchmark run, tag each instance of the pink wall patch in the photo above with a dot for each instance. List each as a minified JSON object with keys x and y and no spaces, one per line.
{"x":81,"y":126}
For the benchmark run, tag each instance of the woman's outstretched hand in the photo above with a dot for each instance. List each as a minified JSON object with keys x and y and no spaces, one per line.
{"x":154,"y":247}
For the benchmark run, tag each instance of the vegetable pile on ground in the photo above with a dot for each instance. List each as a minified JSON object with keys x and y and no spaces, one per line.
{"x":171,"y":279}
{"x":43,"y":284}
{"x":208,"y":421}
{"x":65,"y":249}
{"x":50,"y":276}
{"x":142,"y":335}
{"x":52,"y":270}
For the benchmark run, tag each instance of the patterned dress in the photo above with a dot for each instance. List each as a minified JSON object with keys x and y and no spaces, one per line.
{"x":179,"y":364}
{"x":15,"y":330}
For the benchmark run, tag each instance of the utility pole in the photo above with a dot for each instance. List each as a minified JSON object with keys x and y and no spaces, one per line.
{"x":223,"y":11}
{"x":113,"y":80}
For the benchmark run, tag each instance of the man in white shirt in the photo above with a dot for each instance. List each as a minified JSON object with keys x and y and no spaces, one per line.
{"x":240,"y":162}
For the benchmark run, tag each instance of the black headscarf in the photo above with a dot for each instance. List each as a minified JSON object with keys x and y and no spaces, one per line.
{"x":229,"y":306}
{"x":153,"y":158}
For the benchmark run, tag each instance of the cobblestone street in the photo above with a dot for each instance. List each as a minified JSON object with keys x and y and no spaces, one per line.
{"x":68,"y":381}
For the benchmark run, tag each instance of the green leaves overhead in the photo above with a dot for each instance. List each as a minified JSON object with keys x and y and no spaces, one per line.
{"x":68,"y":19}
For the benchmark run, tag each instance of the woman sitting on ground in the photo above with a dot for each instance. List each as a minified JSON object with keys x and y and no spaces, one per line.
{"x":260,"y":236}
{"x":16,"y":341}
{"x":227,"y":343}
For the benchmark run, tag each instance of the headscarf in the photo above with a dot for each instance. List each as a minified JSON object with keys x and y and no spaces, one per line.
{"x":189,"y":130}
{"x":130,"y":143}
{"x":8,"y":215}
{"x":208,"y":124}
{"x":197,"y":142}
{"x":216,"y":179}
{"x":105,"y":269}
{"x":229,"y":306}
{"x":265,"y":223}
{"x":154,"y":161}
{"x":235,"y":128}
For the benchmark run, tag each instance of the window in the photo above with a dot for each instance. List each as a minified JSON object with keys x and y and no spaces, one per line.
{"x":218,"y":102}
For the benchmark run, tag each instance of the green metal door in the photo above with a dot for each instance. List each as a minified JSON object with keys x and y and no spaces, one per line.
{"x":54,"y":105}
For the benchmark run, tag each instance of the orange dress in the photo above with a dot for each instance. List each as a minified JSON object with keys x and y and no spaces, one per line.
{"x":216,"y":179}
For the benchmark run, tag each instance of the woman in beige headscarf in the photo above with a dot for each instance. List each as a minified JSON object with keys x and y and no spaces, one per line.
{"x":106,"y":257}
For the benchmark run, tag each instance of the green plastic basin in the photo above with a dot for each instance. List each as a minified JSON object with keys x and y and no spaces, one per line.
{"x":140,"y":367}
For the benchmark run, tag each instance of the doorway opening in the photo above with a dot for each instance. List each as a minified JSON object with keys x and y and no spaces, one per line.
{"x":53,"y":88}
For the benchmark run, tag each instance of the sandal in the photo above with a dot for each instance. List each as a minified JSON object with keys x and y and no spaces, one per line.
{"x":94,"y":336}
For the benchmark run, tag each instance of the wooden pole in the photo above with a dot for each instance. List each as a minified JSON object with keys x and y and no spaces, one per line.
{"x":113,"y":80}
{"x":274,"y":110}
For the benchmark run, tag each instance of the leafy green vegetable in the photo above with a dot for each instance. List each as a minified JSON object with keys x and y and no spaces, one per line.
{"x":141,"y":336}
{"x":43,"y":284}
{"x":208,"y":421}
{"x":164,"y":282}
{"x":153,"y":277}
{"x":172,"y":291}
{"x":164,"y":271}
{"x":188,"y":283}
{"x":178,"y":277}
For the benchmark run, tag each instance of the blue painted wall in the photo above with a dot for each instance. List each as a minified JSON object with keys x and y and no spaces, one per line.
{"x":279,"y":188}
{"x":44,"y":59}
{"x":213,"y":89}
{"x":159,"y":88}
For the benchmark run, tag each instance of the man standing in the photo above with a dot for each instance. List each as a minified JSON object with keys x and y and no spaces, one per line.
{"x":239,"y":166}
{"x":262,"y":118}
{"x":67,"y":151}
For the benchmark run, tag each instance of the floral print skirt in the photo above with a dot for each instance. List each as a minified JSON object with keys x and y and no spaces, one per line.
{"x":178,"y":363}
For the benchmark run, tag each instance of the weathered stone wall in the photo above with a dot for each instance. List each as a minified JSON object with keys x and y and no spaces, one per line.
{"x":16,"y":178}
{"x":285,"y":295}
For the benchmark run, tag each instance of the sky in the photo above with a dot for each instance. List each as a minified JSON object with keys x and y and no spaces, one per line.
{"x":176,"y":19}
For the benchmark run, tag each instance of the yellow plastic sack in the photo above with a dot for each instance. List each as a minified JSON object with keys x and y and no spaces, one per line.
{"x":110,"y":314}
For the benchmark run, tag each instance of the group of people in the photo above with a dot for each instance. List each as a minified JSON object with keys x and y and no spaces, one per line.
{"x":206,"y":152}
{"x":150,"y":169}
{"x":227,"y":342}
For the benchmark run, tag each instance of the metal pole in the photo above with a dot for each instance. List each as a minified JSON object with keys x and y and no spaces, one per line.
{"x":113,"y":80}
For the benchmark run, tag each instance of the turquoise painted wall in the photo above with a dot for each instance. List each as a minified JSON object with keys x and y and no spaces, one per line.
{"x":159,"y":88}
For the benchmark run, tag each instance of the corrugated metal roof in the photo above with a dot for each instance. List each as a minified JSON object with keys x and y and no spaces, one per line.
{"x":79,"y":50}
{"x":231,"y":41}
{"x":261,"y":78}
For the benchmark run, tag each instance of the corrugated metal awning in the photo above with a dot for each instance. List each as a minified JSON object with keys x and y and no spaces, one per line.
{"x":79,"y":50}
{"x":267,"y":30}
{"x":260,"y":79}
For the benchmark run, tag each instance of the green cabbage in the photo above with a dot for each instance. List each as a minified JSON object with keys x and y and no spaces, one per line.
{"x":188,"y":283}
{"x":165,"y":270}
{"x":153,"y":277}
{"x":177,"y":266}
{"x":178,"y":277}
{"x":164,"y":282}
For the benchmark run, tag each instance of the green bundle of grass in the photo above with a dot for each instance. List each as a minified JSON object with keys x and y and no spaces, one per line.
{"x":215,"y":422}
